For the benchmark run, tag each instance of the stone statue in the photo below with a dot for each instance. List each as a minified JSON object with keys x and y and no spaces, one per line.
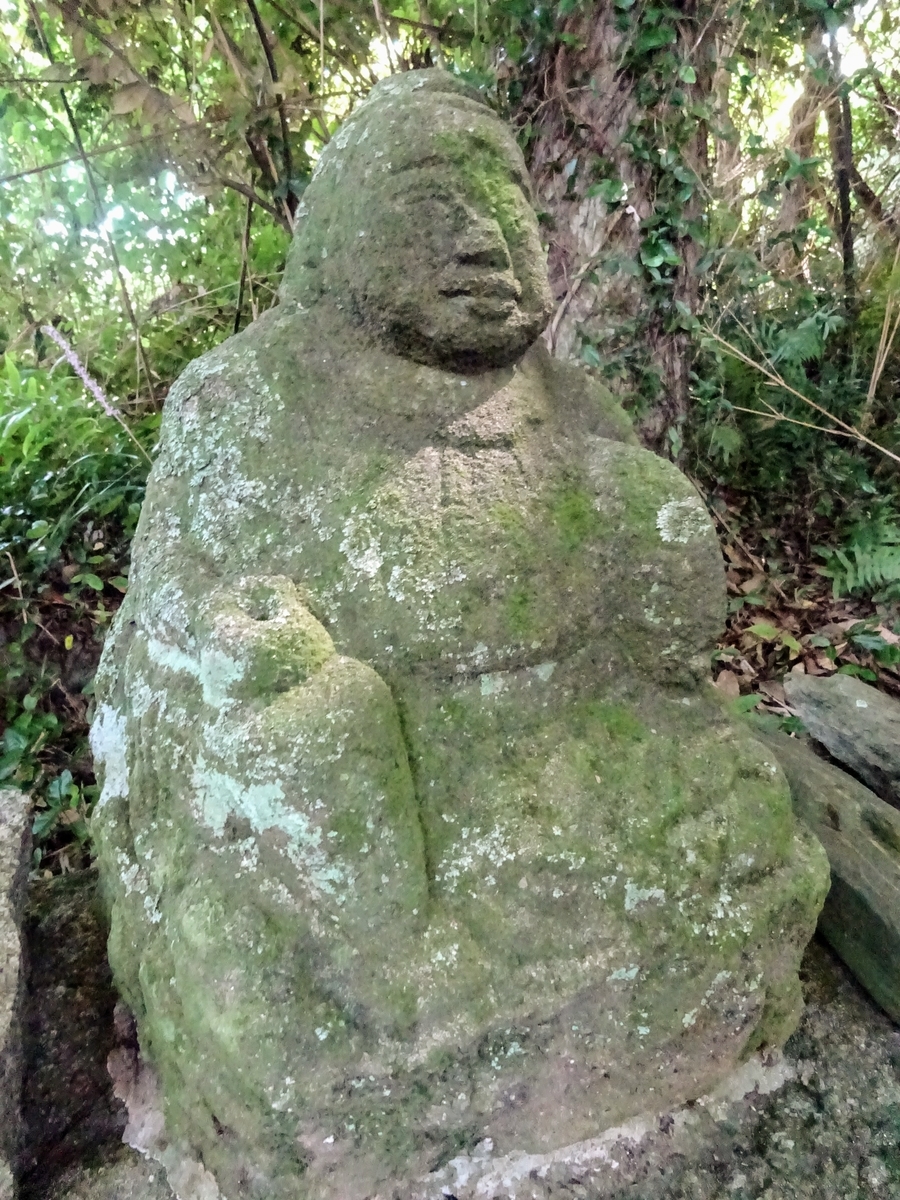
{"x":419,"y":824}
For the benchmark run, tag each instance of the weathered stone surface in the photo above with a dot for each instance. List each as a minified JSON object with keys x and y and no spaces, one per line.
{"x":68,"y":1105}
{"x":420,"y":824}
{"x":123,"y":1176}
{"x":14,"y":851}
{"x":861,"y":836}
{"x":858,"y":724}
{"x":831,"y":1133}
{"x":831,"y":1129}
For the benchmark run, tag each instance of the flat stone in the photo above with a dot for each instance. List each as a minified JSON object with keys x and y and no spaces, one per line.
{"x":15,"y":844}
{"x":861,"y":836}
{"x":858,"y":724}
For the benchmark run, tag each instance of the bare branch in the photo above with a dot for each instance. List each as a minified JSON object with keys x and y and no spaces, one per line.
{"x":64,"y":162}
{"x":290,"y":200}
{"x":776,"y":380}
{"x":98,"y":208}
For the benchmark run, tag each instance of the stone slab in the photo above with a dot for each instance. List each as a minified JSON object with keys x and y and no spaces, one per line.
{"x":858,"y":724}
{"x":14,"y":850}
{"x":861,"y":836}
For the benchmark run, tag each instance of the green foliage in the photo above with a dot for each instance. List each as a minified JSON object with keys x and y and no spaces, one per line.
{"x":868,"y":562}
{"x":23,"y":738}
{"x":70,"y":494}
{"x":795,"y":462}
{"x":67,"y":804}
{"x":68,"y":469}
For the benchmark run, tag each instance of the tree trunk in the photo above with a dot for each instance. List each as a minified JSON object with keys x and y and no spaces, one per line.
{"x":787,"y":257}
{"x":840,"y":138}
{"x":618,"y":111}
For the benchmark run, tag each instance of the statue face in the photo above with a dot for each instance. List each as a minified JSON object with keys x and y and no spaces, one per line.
{"x":448,"y":268}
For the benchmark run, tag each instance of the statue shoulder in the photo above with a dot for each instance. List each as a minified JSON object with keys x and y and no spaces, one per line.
{"x":590,"y":404}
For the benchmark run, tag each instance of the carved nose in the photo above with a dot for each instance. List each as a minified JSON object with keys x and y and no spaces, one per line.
{"x":483,"y":245}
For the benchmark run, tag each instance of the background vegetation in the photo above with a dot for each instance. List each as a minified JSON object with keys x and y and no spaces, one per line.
{"x":718,"y":186}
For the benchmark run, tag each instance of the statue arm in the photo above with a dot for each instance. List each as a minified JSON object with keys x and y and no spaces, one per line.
{"x":253,"y":736}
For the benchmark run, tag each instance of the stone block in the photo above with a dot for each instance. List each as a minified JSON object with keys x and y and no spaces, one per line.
{"x":856,"y":723}
{"x":861,"y":836}
{"x":15,"y":842}
{"x":123,"y":1176}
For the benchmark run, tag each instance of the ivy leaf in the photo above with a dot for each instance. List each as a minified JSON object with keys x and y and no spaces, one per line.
{"x":44,"y":822}
{"x":859,"y":672}
{"x":868,"y":641}
{"x":654,"y":39}
{"x":610,"y":191}
{"x":89,"y":580}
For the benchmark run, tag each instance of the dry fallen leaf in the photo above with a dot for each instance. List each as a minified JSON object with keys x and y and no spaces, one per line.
{"x":774,"y":691}
{"x":727,"y":683}
{"x":753,"y":584}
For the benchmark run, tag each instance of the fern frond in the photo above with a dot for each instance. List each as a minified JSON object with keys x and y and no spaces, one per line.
{"x":863,"y":568}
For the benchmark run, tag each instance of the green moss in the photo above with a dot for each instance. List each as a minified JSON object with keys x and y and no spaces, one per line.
{"x":617,"y":719}
{"x":483,"y":166}
{"x":349,"y":827}
{"x":520,"y":612}
{"x":574,"y":515}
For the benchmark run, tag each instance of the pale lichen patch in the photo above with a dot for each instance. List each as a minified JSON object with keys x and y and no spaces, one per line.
{"x":683,"y":520}
{"x":109,"y":743}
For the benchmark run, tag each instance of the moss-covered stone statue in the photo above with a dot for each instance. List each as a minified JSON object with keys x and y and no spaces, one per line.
{"x":419,"y":825}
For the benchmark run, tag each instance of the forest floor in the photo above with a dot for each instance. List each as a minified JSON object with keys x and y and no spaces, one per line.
{"x":783,"y":616}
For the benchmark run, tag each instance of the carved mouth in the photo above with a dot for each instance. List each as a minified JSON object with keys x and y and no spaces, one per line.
{"x":487,"y":287}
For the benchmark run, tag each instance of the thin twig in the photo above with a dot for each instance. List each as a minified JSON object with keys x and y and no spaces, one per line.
{"x":248,"y":193}
{"x":245,"y":258}
{"x":321,"y":47}
{"x":776,"y":380}
{"x":209,"y":292}
{"x":386,"y":37}
{"x":575,"y":286}
{"x":290,"y":200}
{"x":12,"y":80}
{"x":18,"y":581}
{"x":98,"y":206}
{"x":64,"y":162}
{"x":885,"y":343}
{"x":774,"y":415}
{"x":434,"y":40}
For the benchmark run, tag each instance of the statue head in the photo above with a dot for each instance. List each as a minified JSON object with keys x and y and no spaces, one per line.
{"x":418,"y":222}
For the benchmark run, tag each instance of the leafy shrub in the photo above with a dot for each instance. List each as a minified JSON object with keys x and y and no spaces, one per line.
{"x":67,"y":468}
{"x":71,"y":484}
{"x":868,"y":562}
